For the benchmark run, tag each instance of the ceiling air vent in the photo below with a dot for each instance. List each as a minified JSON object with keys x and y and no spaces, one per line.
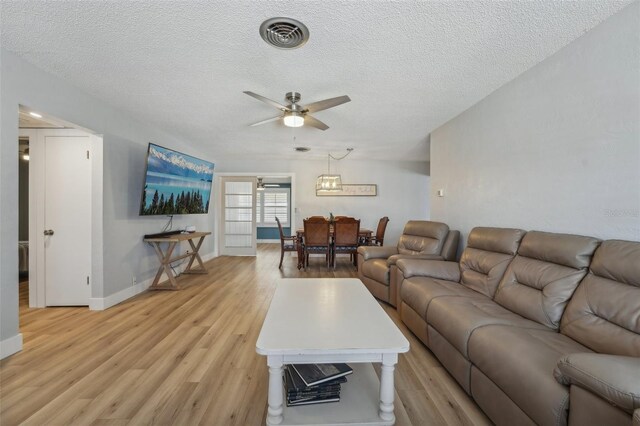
{"x":284,"y":33}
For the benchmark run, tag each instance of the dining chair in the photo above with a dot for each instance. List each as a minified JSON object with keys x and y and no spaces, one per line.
{"x":317,"y":238}
{"x":378,"y":239}
{"x":345,"y":240}
{"x":286,"y":243}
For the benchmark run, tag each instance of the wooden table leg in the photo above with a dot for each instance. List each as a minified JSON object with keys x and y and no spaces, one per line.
{"x":195,"y":256}
{"x":165,"y":266}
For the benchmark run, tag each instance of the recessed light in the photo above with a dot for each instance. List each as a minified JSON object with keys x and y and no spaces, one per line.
{"x":35,"y":114}
{"x":302,"y":148}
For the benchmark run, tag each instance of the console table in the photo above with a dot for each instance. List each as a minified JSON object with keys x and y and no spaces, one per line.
{"x":166,"y":260}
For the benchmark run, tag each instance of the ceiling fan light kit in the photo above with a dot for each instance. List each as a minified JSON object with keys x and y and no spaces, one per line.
{"x":293,"y":119}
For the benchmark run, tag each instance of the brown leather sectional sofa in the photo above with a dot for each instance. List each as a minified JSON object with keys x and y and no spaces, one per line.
{"x":539,"y":328}
{"x":420,"y":239}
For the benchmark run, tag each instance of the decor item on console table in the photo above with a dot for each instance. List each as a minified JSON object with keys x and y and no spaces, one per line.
{"x":166,"y":260}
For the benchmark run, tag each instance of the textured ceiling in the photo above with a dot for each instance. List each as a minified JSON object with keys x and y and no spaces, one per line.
{"x":183,"y":65}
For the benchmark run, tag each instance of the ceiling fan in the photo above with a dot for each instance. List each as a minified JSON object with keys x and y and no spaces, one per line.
{"x":294,"y":114}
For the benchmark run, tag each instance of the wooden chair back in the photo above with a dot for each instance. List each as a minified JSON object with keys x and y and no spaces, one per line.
{"x":339,"y":218}
{"x":382,"y":227}
{"x":346,"y":232}
{"x":316,"y":232}
{"x":280,"y":230}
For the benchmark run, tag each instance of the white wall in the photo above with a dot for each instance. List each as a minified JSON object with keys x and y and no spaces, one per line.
{"x":557,"y":149}
{"x":403,"y":188}
{"x":124,"y":152}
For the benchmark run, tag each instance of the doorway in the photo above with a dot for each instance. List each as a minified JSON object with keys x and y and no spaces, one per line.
{"x":65,"y":169}
{"x":277,"y":182}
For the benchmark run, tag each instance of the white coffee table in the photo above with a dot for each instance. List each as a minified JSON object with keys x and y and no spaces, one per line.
{"x":329,"y":320}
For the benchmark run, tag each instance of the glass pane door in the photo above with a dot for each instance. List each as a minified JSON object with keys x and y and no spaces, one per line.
{"x":239,"y":221}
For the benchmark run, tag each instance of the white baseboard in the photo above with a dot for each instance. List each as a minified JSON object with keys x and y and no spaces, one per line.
{"x":268,"y":241}
{"x":207,"y":257}
{"x":10,"y":346}
{"x":102,"y":303}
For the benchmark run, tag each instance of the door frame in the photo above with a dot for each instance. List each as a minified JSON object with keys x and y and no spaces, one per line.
{"x":37,"y":284}
{"x":218,"y":224}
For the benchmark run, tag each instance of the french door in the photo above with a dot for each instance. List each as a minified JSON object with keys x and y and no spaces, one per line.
{"x":238,"y":222}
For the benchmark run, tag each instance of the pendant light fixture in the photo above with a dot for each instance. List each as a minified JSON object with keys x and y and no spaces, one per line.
{"x":328,"y":181}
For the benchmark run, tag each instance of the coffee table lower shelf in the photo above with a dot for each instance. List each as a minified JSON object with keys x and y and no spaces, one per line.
{"x":359,"y":403}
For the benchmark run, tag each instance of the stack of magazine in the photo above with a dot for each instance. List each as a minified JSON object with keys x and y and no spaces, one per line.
{"x":314,"y":383}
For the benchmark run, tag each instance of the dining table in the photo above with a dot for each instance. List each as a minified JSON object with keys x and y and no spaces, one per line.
{"x":364,"y":234}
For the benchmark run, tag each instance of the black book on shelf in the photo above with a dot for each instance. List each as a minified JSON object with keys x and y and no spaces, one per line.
{"x":313,"y":401}
{"x":315,"y":374}
{"x":318,"y":395}
{"x":325,"y":392}
{"x":294,"y":383}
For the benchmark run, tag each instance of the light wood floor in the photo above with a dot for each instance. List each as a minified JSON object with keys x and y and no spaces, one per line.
{"x":187,"y":357}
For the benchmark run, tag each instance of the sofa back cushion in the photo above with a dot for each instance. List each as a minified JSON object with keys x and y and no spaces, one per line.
{"x":604,"y":313}
{"x":544,"y":275}
{"x":486,"y":257}
{"x":422,"y":237}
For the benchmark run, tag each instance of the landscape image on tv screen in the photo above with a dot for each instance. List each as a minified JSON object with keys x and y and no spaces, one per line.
{"x":175,"y":183}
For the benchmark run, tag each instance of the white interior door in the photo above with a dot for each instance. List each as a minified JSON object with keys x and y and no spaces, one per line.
{"x":239,"y":230}
{"x":67,"y":220}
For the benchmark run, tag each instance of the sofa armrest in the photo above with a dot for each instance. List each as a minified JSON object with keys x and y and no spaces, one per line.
{"x":438,"y":269}
{"x":612,"y":377}
{"x":636,"y":418}
{"x":376,"y":252}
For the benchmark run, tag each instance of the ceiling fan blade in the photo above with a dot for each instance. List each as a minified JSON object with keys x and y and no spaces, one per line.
{"x":268,"y":101}
{"x":314,"y":122}
{"x":326,"y":104}
{"x":266,"y":121}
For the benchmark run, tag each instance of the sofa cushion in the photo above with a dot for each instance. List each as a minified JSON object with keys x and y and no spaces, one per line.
{"x":543,"y":276}
{"x":604,"y":312}
{"x":486,"y":257}
{"x":521,"y":363}
{"x":457,"y":318}
{"x":422,"y":236}
{"x":418,"y":292}
{"x":376,"y":269}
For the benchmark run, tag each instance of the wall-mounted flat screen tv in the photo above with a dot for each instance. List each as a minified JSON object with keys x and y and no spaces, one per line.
{"x":175,"y":183}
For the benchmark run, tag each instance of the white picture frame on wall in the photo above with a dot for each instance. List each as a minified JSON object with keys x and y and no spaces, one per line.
{"x":351,"y":190}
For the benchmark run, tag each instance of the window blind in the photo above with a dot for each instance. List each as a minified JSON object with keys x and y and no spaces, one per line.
{"x":272,"y":203}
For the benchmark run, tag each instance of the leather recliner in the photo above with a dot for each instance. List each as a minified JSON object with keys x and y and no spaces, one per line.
{"x":420,"y":239}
